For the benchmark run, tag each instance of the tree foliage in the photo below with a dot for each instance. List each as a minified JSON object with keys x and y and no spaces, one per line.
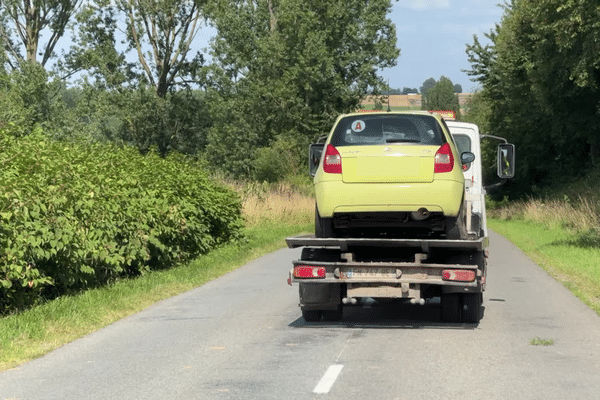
{"x":286,"y":67}
{"x":540,"y":74}
{"x":94,"y":185}
{"x":441,"y":97}
{"x":22,"y":22}
{"x":427,"y":84}
{"x":159,"y":33}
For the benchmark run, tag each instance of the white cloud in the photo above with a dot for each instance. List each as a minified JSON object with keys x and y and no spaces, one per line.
{"x":422,"y":5}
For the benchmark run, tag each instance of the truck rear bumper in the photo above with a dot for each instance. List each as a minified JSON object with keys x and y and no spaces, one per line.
{"x":373,"y":274}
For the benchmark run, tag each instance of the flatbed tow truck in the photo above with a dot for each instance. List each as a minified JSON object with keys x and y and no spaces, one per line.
{"x":338,"y":272}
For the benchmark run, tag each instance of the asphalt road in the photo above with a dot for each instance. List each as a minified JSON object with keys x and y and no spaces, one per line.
{"x":242,"y":337}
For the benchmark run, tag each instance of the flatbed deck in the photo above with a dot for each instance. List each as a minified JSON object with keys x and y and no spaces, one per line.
{"x":424,"y":244}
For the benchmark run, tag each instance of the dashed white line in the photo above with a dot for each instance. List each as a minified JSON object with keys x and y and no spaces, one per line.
{"x":327,"y":381}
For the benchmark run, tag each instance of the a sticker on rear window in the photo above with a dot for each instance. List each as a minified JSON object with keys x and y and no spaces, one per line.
{"x":358,"y":126}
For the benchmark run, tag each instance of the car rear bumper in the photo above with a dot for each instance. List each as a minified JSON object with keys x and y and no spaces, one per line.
{"x":443,"y":196}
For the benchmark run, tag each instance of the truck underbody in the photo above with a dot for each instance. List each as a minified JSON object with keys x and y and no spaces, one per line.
{"x":337,"y":272}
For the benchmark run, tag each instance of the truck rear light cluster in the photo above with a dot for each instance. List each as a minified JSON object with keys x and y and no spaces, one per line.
{"x":458,"y":275}
{"x":444,"y":160}
{"x":332,"y":163}
{"x":307,"y":271}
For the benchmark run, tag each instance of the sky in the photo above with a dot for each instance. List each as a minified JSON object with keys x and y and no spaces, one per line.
{"x":432,"y":36}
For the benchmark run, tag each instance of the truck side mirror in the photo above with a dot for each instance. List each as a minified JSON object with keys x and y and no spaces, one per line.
{"x":467,"y":157}
{"x":506,"y":160}
{"x":314,"y":157}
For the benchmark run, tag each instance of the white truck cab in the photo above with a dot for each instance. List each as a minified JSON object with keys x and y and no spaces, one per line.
{"x":467,"y":139}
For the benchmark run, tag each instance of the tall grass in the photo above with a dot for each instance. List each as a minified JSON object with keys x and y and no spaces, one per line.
{"x":580,"y":217}
{"x":285,"y":202}
{"x":561,"y":236}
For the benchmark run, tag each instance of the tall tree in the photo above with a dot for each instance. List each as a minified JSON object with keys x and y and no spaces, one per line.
{"x":427,"y":84}
{"x":95,"y":51}
{"x":168,"y":28}
{"x":159,"y":33}
{"x":541,"y":78}
{"x":441,"y":97}
{"x":24,"y":20}
{"x":290,"y":67}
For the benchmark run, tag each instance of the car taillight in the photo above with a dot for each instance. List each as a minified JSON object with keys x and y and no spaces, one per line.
{"x":458,"y":275}
{"x":332,"y":164}
{"x":444,"y":160}
{"x":307,"y":271}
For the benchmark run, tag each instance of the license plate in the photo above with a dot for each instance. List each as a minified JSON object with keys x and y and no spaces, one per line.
{"x":366,"y":273}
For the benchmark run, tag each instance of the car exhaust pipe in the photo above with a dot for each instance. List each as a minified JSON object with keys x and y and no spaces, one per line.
{"x":421,"y":214}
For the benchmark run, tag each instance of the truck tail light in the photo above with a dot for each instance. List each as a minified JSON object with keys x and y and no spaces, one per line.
{"x":307,"y":271}
{"x":458,"y":275}
{"x":444,"y":160}
{"x":332,"y":163}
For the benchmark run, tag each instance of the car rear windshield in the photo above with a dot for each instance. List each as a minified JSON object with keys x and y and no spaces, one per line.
{"x":361,"y":130}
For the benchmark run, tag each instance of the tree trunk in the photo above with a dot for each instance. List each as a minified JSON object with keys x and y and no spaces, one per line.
{"x":32,"y":22}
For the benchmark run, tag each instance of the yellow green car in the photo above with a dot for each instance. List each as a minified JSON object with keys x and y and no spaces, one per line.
{"x":394,"y":174}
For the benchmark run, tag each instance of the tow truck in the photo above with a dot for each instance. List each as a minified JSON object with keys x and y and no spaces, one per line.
{"x":334,"y":273}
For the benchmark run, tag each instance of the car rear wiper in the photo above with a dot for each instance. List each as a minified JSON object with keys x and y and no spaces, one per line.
{"x":403,"y":141}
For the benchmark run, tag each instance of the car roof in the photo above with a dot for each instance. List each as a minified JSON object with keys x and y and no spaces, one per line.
{"x":410,"y":112}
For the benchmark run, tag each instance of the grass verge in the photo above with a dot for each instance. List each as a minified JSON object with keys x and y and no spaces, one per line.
{"x":271,"y":215}
{"x":567,"y":257}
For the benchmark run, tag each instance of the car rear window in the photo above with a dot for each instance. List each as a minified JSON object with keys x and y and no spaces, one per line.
{"x":360,"y":130}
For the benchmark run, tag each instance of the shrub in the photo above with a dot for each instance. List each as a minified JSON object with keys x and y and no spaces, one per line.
{"x":277,"y":162}
{"x":74,"y":216}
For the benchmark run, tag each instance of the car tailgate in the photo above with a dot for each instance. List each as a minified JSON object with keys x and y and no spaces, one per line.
{"x":391,"y":163}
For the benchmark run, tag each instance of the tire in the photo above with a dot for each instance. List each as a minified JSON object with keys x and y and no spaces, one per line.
{"x":451,"y":307}
{"x":312,"y":315}
{"x":333,"y":315}
{"x":472,"y":307}
{"x":323,"y":226}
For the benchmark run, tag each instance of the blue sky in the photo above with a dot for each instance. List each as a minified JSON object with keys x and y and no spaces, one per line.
{"x":432,"y":37}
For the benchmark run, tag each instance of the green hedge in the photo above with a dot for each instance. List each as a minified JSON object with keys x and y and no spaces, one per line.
{"x":75,"y":216}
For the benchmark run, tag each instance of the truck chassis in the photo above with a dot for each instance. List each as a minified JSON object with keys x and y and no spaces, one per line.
{"x":333,"y":273}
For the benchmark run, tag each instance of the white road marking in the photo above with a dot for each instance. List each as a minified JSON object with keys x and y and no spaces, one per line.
{"x":328,"y":379}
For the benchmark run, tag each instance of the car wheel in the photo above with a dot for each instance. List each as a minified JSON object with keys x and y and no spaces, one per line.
{"x":323,"y":226}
